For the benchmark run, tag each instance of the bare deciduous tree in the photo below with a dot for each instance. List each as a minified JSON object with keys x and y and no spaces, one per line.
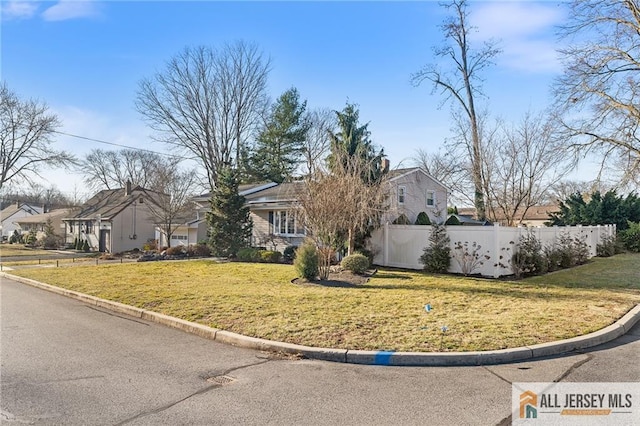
{"x":26,"y":129}
{"x":208,"y":102}
{"x":339,"y":204}
{"x":449,"y":169}
{"x":520,"y":165}
{"x":316,"y":145}
{"x":598,"y":96}
{"x":173,"y":207}
{"x":461,"y":83}
{"x":105,"y":169}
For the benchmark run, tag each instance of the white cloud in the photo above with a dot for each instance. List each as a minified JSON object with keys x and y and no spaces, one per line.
{"x":71,"y":9}
{"x":18,"y":10}
{"x":525,"y":31}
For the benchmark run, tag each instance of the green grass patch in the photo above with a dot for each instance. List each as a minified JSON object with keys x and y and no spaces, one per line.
{"x":386,"y":313}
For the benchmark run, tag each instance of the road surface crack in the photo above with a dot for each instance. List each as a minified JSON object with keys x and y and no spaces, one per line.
{"x":575,"y":366}
{"x":198,"y":392}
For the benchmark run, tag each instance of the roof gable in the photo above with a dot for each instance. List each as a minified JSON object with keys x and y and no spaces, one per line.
{"x":109,"y":203}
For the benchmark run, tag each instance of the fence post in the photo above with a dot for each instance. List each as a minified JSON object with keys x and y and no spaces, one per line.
{"x":385,"y":245}
{"x":496,"y":250}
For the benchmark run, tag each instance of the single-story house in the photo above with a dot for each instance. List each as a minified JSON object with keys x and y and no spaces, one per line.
{"x":534,"y":216}
{"x":114,"y":220}
{"x":188,"y":232}
{"x":38,"y":222}
{"x":194,"y":230}
{"x":11,"y":214}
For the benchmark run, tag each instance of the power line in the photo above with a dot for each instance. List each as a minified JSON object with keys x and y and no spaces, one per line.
{"x":121,"y":145}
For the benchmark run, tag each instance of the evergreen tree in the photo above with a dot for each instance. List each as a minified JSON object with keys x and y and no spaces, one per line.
{"x":436,"y":256}
{"x":278,"y":149}
{"x":353,"y":140}
{"x":229,"y":223}
{"x":599,"y":210}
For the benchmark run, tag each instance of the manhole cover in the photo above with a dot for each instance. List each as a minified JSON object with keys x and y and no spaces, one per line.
{"x":221,"y":380}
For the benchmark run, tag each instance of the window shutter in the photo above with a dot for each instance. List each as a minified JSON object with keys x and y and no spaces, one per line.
{"x":271,"y":227}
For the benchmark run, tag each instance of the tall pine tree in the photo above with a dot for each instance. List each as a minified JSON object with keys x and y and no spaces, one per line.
{"x":230,"y":225}
{"x":278,"y":149}
{"x":353,"y":141}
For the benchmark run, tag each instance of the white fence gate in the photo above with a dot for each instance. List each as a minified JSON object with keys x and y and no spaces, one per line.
{"x":401,"y":246}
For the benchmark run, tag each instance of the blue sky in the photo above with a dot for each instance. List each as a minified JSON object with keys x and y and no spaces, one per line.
{"x":85,"y":59}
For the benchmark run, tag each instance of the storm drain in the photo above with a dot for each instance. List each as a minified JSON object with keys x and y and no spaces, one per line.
{"x":220,"y":380}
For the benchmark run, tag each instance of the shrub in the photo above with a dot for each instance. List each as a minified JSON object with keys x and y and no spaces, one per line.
{"x":290,"y":253}
{"x":607,"y":246}
{"x":306,"y":261}
{"x":468,"y":256}
{"x":270,"y":256}
{"x":528,"y":259}
{"x":553,"y":257}
{"x":198,"y":250}
{"x":435,"y":256}
{"x":453,"y":220}
{"x":150,"y":245}
{"x":85,"y":246}
{"x":368,"y":254}
{"x":176,"y":251}
{"x":16,"y":237}
{"x":75,"y":243}
{"x":630,"y":237}
{"x":423,"y":219}
{"x":50,"y":241}
{"x":31,"y":238}
{"x":402,"y":220}
{"x":356,"y":263}
{"x":248,"y":254}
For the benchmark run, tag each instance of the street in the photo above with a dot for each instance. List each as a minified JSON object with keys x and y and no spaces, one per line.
{"x":66,"y":363}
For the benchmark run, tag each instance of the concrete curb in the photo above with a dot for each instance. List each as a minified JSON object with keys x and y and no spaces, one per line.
{"x":390,"y":358}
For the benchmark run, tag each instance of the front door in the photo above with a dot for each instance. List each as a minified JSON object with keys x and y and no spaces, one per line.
{"x":104,"y":243}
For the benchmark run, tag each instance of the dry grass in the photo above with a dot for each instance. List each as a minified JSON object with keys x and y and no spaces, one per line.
{"x":386,"y":313}
{"x":10,"y":250}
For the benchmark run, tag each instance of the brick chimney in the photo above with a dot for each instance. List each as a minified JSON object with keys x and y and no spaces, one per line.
{"x":385,"y":164}
{"x":127,"y":190}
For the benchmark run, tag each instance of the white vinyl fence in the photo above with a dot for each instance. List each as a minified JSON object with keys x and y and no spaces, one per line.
{"x":401,"y":246}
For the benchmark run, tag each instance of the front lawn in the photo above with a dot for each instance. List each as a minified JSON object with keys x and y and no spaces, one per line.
{"x":11,"y":250}
{"x":387,"y":313}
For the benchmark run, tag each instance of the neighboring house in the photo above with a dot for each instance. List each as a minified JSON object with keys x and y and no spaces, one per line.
{"x":38,"y":222}
{"x":11,"y":214}
{"x":188,"y":232}
{"x":535,"y":215}
{"x":114,"y":220}
{"x":413,"y":191}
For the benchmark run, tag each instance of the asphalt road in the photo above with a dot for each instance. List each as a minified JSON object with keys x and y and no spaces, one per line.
{"x":66,"y":363}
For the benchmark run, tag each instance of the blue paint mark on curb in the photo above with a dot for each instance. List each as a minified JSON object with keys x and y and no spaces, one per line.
{"x":383,"y":358}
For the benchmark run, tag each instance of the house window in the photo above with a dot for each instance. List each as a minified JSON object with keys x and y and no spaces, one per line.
{"x":286,"y":222}
{"x":89,"y":227}
{"x":431,"y":199}
{"x":402,"y":193}
{"x":178,"y":237}
{"x":71,"y":227}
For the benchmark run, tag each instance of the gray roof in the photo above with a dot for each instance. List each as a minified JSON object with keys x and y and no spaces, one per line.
{"x":16,"y":207}
{"x":110,"y":202}
{"x":43,"y":217}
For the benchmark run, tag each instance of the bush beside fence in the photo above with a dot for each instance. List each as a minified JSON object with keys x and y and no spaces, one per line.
{"x":484,"y":250}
